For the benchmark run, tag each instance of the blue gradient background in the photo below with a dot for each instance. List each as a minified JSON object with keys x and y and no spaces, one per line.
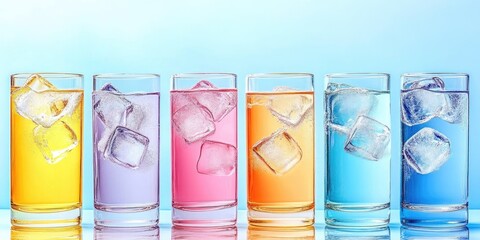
{"x":242,"y":37}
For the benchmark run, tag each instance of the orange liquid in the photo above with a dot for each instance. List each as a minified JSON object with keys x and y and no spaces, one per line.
{"x":36,"y":184}
{"x":292,"y":191}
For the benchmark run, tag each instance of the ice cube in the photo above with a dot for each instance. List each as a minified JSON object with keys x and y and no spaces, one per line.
{"x":204,"y":84}
{"x":55,"y":142}
{"x":217,"y":159}
{"x":47,"y":106}
{"x":280,"y":152}
{"x":420,"y":106}
{"x":39,"y":84}
{"x":180,"y":100}
{"x":368,"y":138}
{"x":126,"y":147}
{"x":257,"y":100}
{"x":102,"y":143}
{"x":457,"y":111}
{"x":135,"y":117}
{"x":346,"y":103}
{"x":109,"y":88}
{"x":111,"y":108}
{"x":193,"y":122}
{"x":427,"y":150}
{"x":434,"y":83}
{"x":217,"y":101}
{"x":289,"y":108}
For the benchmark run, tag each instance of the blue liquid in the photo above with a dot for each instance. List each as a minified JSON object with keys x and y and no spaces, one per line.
{"x":357,"y":189}
{"x":440,"y":197}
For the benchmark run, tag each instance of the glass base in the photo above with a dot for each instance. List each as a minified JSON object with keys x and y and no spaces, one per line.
{"x":127,"y":217}
{"x":281,"y":219}
{"x":193,"y":217}
{"x":434,"y":216}
{"x":354,"y":216}
{"x":68,"y":218}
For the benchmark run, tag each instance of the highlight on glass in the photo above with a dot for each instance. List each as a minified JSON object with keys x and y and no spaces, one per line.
{"x":126,"y":139}
{"x":280,"y":149}
{"x":204,"y":149}
{"x":357,"y":150}
{"x":46,"y":149}
{"x":434,"y":117}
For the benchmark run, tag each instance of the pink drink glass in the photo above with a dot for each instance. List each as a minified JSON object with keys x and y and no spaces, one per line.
{"x":204,"y":149}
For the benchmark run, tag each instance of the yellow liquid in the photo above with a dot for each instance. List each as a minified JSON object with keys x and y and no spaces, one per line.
{"x":37,"y":185}
{"x":267,"y":191}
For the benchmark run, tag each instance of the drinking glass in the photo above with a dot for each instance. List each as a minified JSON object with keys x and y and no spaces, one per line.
{"x":434,"y":128}
{"x":46,"y":149}
{"x":357,"y":139}
{"x":204,"y":149}
{"x":280,"y":143}
{"x":126,"y":149}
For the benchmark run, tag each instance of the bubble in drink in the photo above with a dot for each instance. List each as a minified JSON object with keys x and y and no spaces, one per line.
{"x":217,"y":102}
{"x":217,"y":159}
{"x":347,"y":103}
{"x":193,"y":122}
{"x":55,"y":142}
{"x":426,"y":151}
{"x":289,"y":108}
{"x":126,"y":147}
{"x":280,"y":152}
{"x":368,"y":138}
{"x":39,"y":101}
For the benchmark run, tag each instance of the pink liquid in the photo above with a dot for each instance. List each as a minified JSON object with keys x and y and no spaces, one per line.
{"x":191,"y":189}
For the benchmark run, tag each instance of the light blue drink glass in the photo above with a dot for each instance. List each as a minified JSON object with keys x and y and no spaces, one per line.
{"x":434,"y":115}
{"x":357,"y":166}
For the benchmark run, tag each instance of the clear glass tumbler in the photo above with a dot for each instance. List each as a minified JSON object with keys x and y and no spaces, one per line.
{"x":126,"y":144}
{"x":204,"y":149}
{"x":46,"y":149}
{"x":434,"y":115}
{"x":358,"y":154}
{"x":280,"y":149}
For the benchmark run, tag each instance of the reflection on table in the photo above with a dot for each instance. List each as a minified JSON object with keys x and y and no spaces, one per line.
{"x":262,"y":233}
{"x":187,"y":233}
{"x":357,"y":233}
{"x":63,"y":233}
{"x":145,"y":233}
{"x":408,"y":233}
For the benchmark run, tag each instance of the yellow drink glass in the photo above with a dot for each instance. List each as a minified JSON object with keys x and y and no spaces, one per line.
{"x":46,"y":149}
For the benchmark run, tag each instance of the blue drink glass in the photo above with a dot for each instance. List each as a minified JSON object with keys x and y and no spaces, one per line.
{"x":434,"y":112}
{"x":357,"y":168}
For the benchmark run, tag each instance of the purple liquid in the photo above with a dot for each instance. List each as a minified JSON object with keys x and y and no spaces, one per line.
{"x":118,"y":186}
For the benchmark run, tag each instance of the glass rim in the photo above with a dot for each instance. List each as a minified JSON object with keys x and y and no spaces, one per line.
{"x":47,"y":75}
{"x":442,"y":74}
{"x":357,"y":75}
{"x":121,"y":76}
{"x":280,"y":75}
{"x":211,"y":75}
